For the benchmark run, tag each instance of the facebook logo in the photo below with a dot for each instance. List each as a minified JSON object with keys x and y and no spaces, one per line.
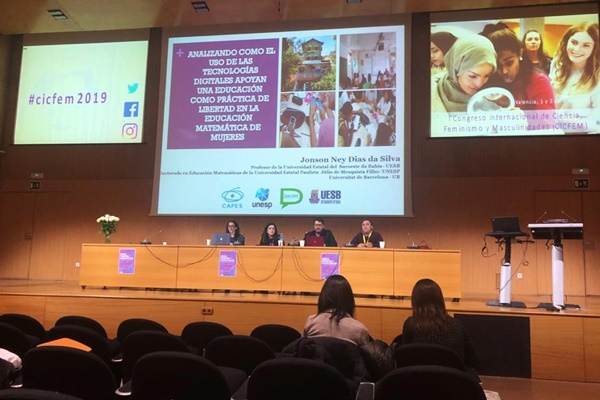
{"x":131,"y":109}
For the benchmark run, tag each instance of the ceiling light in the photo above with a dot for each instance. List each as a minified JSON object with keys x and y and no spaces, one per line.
{"x":200,"y":6}
{"x":353,"y":1}
{"x":57,"y":14}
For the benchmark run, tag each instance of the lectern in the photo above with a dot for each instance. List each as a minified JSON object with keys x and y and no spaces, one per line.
{"x":506,"y":229}
{"x":557,"y":231}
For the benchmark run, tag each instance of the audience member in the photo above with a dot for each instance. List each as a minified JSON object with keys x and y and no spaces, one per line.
{"x":367,"y":237}
{"x":430,"y":323}
{"x":335,"y":314}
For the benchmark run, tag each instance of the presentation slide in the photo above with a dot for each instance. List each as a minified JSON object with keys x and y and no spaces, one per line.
{"x":287,"y":123}
{"x":533,"y":75}
{"x":86,"y":93}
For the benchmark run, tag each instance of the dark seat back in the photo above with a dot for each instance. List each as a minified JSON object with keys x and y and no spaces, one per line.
{"x":427,"y":354}
{"x":26,"y":323}
{"x":428,"y":382}
{"x":297,"y":379}
{"x":166,"y":375}
{"x":93,"y":339}
{"x":131,"y":325}
{"x":275,"y":335}
{"x":199,"y":334}
{"x":68,"y":370}
{"x":239,"y":351}
{"x":15,"y":340}
{"x":34,"y":394}
{"x":80,"y":320}
{"x":140,"y":343}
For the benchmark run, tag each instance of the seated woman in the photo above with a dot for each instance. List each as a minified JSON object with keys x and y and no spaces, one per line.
{"x":270,"y":236}
{"x":236,"y":238}
{"x":430,"y":323}
{"x":335,"y":316}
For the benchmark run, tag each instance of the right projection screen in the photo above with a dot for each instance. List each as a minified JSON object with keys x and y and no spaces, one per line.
{"x":515,"y":72}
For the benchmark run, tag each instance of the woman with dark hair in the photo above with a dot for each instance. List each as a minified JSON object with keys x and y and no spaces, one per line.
{"x":440,"y":44}
{"x":430,"y":323}
{"x":534,"y":50}
{"x":270,"y":236}
{"x":335,"y":314}
{"x":575,"y":71}
{"x":530,"y":87}
{"x":236,"y":238}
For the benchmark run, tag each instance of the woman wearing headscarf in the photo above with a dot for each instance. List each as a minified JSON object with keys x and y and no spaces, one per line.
{"x":470,"y":62}
{"x":440,"y":45}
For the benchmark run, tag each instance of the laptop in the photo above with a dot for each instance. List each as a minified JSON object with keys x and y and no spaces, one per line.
{"x":220,"y":239}
{"x":316,"y":241}
{"x":506,"y":225}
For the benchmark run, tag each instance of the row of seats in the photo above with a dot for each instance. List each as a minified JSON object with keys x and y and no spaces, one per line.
{"x":154,"y":365}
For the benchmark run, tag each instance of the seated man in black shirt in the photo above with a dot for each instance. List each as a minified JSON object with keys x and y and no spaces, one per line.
{"x":320,"y":231}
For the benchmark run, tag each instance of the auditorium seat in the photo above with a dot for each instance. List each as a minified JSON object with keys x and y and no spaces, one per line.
{"x":199,"y":334}
{"x":428,"y":382}
{"x":297,"y":379}
{"x":275,"y":335}
{"x":166,"y":375}
{"x":26,"y":323}
{"x":15,"y":340}
{"x":140,"y":343}
{"x":67,"y":370}
{"x":430,"y":354}
{"x":239,"y":351}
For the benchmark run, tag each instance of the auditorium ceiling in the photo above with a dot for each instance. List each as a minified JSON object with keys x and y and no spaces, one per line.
{"x":31,"y":16}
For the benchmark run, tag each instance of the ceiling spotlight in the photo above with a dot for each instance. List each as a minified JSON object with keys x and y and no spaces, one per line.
{"x":57,"y":14}
{"x":353,"y":1}
{"x":200,"y":6}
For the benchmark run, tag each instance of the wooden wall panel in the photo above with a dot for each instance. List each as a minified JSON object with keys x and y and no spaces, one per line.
{"x":557,"y":348}
{"x":591,"y":334}
{"x":16,"y":222}
{"x":34,"y":306}
{"x":591,"y":242}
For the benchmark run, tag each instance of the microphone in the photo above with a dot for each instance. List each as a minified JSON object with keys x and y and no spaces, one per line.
{"x":413,"y":245}
{"x":541,"y":216}
{"x":568,"y":216}
{"x":146,"y":241}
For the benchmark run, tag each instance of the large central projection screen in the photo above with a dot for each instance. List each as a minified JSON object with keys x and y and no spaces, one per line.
{"x":285,"y":123}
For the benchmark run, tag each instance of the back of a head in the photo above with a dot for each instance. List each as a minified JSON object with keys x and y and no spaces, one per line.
{"x":336,"y":295}
{"x":427,"y":301}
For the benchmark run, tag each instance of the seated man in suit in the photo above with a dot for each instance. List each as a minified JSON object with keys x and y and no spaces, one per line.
{"x":367,"y":237}
{"x":320,"y":231}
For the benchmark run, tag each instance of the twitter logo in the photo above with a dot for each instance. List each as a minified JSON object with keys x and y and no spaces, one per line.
{"x":132,"y":88}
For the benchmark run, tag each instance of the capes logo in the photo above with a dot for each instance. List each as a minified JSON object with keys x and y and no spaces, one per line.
{"x":289,"y":196}
{"x":232,"y":198}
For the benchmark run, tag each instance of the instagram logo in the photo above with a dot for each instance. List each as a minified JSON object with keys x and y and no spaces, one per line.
{"x":129,"y":131}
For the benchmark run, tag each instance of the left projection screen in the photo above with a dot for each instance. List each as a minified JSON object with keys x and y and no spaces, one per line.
{"x":86,"y":93}
{"x":285,"y":123}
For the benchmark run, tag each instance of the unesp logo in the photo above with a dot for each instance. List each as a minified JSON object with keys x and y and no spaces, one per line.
{"x":290,"y":196}
{"x":232,"y":198}
{"x":262,"y":195}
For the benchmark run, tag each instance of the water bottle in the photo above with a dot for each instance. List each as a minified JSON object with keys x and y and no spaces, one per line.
{"x":280,"y":242}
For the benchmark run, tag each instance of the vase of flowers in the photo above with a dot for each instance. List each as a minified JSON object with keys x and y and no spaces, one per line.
{"x":108,"y":226}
